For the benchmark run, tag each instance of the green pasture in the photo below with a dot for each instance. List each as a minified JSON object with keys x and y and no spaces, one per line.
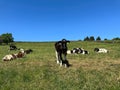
{"x":39,"y":71}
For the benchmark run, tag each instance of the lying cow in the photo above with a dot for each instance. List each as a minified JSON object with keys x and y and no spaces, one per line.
{"x":14,"y":56}
{"x":12,"y":47}
{"x":21,"y":53}
{"x":101,"y":50}
{"x":7,"y":58}
{"x":10,"y":57}
{"x":77,"y":51}
{"x":28,"y":51}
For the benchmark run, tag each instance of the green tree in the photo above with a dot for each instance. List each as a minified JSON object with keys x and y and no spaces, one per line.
{"x":86,"y":39}
{"x":7,"y":38}
{"x":105,"y":39}
{"x":98,"y":39}
{"x":92,"y":38}
{"x":1,"y":40}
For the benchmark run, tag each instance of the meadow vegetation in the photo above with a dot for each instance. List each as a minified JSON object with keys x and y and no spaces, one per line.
{"x":39,"y":71}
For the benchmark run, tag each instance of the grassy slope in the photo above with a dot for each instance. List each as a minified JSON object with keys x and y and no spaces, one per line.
{"x":39,"y":71}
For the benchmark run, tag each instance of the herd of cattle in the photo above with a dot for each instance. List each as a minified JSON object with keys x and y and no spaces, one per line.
{"x":61,"y":52}
{"x":20,"y":54}
{"x":83,"y":51}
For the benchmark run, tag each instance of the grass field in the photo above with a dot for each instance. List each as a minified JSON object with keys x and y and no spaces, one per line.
{"x":39,"y":71}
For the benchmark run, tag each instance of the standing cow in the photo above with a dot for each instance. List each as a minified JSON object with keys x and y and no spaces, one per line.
{"x":61,"y":52}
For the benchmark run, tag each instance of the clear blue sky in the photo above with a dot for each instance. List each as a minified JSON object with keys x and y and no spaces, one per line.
{"x":51,"y":20}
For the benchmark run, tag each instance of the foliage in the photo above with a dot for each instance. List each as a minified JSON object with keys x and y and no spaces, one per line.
{"x":92,"y":38}
{"x":98,"y":39}
{"x":7,"y":38}
{"x":1,"y":41}
{"x":86,"y":38}
{"x":105,"y":39}
{"x":117,"y":38}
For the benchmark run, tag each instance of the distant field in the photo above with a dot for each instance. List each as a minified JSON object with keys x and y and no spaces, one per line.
{"x":39,"y":71}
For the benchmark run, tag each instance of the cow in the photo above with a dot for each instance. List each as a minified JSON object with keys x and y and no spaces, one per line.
{"x":28,"y":51}
{"x":21,"y":53}
{"x":82,"y":51}
{"x":77,"y":51}
{"x":14,"y":56}
{"x":8,"y":57}
{"x":12,"y":47}
{"x":61,"y":52}
{"x":100,"y":50}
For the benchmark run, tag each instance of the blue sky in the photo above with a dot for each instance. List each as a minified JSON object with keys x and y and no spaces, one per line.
{"x":51,"y":20}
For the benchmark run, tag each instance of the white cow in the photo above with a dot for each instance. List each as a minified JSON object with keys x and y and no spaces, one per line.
{"x":8,"y":57}
{"x":101,"y":50}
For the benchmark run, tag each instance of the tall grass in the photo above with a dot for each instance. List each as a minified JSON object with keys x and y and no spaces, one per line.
{"x":39,"y":71}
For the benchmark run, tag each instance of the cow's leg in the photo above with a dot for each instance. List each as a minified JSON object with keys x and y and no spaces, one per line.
{"x":64,"y":55}
{"x":66,"y":63}
{"x":57,"y":57}
{"x":60,"y":59}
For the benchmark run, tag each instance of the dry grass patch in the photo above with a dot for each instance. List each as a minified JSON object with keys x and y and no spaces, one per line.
{"x":94,"y":65}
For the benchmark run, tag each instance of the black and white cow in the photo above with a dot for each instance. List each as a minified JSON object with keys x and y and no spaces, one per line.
{"x":77,"y":51}
{"x":61,"y":52}
{"x":28,"y":51}
{"x":12,"y":47}
{"x":82,"y":51}
{"x":100,"y":50}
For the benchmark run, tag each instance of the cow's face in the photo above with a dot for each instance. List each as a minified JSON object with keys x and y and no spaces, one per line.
{"x":64,"y":43}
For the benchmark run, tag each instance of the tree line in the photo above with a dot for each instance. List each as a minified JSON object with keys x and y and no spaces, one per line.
{"x":91,"y":38}
{"x":6,"y":38}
